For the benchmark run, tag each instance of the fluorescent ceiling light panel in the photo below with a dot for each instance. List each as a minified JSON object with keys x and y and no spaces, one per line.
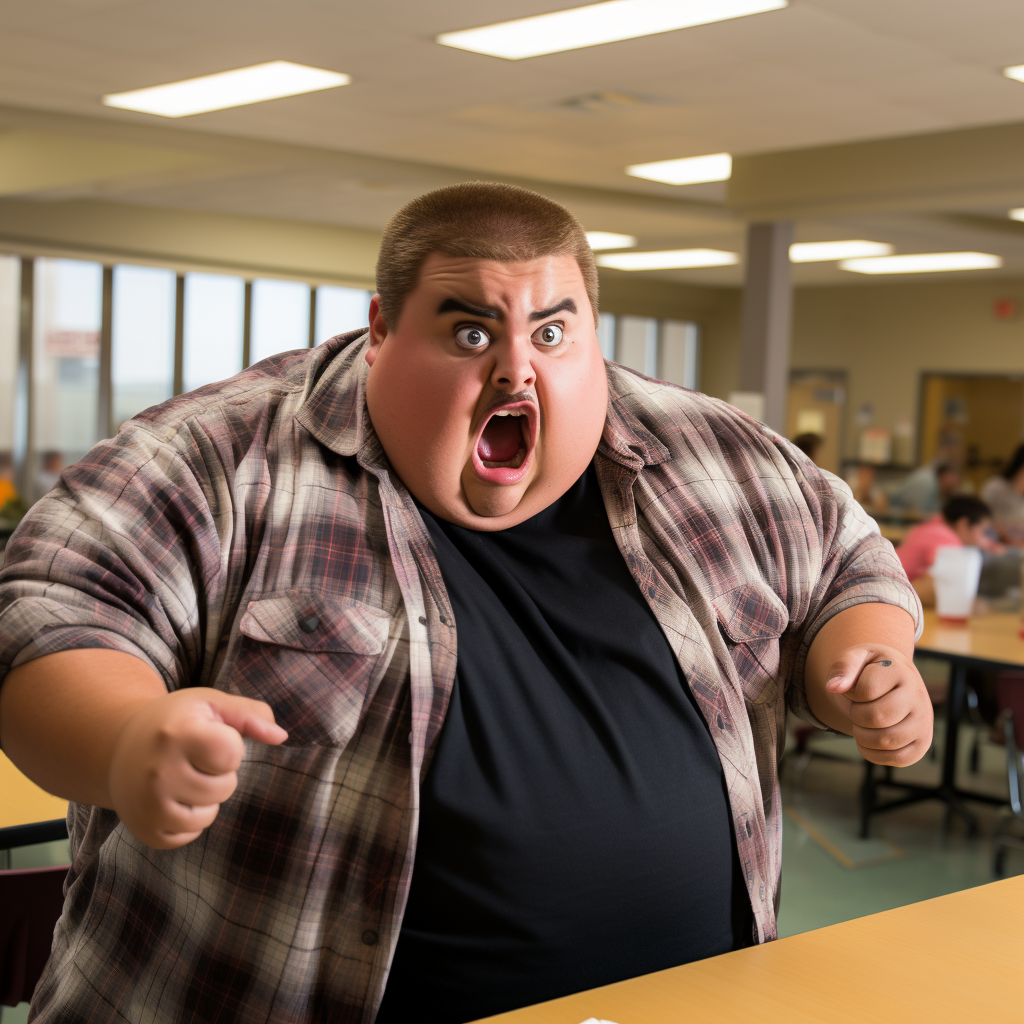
{"x":1017,"y":214}
{"x":610,"y":240}
{"x":923,"y":263}
{"x":236,"y":88}
{"x":598,"y":23}
{"x":1016,"y":72}
{"x":689,"y":170}
{"x":819,"y":252}
{"x":669,"y":259}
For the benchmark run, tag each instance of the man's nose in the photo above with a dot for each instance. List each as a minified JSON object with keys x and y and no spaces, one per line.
{"x":513,"y":368}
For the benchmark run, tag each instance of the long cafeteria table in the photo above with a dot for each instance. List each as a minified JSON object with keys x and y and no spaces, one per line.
{"x":956,"y":959}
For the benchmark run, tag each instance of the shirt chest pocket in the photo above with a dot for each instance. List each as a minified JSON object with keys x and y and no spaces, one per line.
{"x":752,"y":619}
{"x":314,"y":659}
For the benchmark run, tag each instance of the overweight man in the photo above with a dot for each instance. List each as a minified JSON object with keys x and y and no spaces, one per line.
{"x":440,"y":669}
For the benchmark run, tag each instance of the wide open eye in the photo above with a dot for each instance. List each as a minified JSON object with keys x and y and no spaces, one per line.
{"x":548,"y":336}
{"x":471,"y":337}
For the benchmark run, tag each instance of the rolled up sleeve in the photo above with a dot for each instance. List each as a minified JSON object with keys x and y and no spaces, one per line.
{"x":120,"y":555}
{"x":858,"y":566}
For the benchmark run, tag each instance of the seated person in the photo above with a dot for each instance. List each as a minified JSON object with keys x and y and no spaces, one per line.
{"x":1004,"y":494}
{"x":964,"y":520}
{"x":926,"y":489}
{"x":809,"y":444}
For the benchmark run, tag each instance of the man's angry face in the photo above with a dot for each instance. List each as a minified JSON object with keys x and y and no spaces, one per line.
{"x":489,"y":395}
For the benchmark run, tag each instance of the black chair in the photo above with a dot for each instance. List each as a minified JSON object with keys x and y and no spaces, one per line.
{"x":31,"y":901}
{"x":1009,"y":833}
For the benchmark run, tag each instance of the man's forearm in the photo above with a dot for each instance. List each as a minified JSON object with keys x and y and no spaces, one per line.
{"x":60,"y":716}
{"x":862,"y":624}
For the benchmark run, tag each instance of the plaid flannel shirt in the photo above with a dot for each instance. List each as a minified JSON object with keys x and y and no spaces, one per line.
{"x":249,"y":536}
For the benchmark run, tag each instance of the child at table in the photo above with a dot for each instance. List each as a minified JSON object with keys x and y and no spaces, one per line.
{"x":964,"y":520}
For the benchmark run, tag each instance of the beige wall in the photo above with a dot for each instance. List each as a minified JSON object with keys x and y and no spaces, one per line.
{"x":884,"y":335}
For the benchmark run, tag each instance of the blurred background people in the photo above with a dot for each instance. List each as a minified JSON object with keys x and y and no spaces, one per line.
{"x":49,"y":473}
{"x":964,"y":520}
{"x":925,"y":491}
{"x":809,"y":444}
{"x":867,"y":490}
{"x":1004,"y":494}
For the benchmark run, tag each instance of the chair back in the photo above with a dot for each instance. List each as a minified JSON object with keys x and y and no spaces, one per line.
{"x":31,"y":901}
{"x":1010,"y":695}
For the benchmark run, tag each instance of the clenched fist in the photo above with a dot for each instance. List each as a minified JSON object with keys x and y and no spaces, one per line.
{"x":175,"y":761}
{"x":881,"y":693}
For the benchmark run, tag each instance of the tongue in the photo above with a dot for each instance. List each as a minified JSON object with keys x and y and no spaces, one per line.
{"x":500,"y":440}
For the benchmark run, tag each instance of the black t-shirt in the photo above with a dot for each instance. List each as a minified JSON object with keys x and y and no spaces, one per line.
{"x":575,"y":828}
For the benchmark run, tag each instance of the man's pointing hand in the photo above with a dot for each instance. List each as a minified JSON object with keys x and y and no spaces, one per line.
{"x":176,"y":759}
{"x":882,"y":694}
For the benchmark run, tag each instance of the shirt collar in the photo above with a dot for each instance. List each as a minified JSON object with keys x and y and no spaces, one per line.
{"x":334,"y":410}
{"x":627,"y":437}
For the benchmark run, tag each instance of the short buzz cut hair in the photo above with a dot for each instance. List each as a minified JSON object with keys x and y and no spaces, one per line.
{"x":477,"y":220}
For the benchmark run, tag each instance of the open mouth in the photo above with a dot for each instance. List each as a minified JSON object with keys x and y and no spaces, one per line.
{"x":505,"y":443}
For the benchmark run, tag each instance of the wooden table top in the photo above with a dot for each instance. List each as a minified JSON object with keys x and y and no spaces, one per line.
{"x":992,"y":638}
{"x":22,"y":802}
{"x":957,"y":958}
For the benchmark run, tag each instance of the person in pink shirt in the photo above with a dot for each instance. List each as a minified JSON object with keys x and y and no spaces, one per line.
{"x":964,"y":520}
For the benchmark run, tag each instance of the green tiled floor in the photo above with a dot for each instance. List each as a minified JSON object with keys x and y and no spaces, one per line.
{"x":917,"y":861}
{"x":818,"y":890}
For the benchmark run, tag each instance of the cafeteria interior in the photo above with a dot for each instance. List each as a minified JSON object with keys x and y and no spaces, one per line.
{"x":143,"y":256}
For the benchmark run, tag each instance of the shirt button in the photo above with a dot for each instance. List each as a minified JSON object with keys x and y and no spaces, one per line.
{"x":444,"y":621}
{"x":423,"y":620}
{"x":308,"y":623}
{"x":650,"y":591}
{"x":761,"y":893}
{"x":370,"y":936}
{"x":721,"y":723}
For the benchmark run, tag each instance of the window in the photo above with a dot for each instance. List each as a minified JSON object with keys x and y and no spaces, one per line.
{"x":142,"y":339}
{"x":666,"y":349}
{"x":66,"y":349}
{"x":10,"y":286}
{"x":280,"y":318}
{"x":214,"y":325}
{"x":637,"y":344}
{"x":679,"y":353}
{"x":339,"y":310}
{"x":606,"y":334}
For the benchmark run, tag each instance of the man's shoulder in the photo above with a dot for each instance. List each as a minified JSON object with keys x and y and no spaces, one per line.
{"x":690,"y":424}
{"x":264,"y":392}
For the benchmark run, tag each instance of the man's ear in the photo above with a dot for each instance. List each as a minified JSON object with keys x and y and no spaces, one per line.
{"x":378,"y":330}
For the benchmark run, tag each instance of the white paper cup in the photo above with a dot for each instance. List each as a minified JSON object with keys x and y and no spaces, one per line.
{"x":956,"y":572}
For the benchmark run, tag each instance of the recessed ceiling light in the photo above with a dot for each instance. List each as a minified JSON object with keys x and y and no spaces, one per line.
{"x":598,"y":23}
{"x":923,"y":263}
{"x":1017,"y":214}
{"x":236,"y":88}
{"x":689,"y":170}
{"x":1016,"y":72}
{"x":819,"y":252}
{"x":610,"y":240}
{"x":668,"y":259}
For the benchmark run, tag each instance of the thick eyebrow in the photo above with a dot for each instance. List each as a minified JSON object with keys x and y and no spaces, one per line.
{"x":543,"y":314}
{"x":458,"y":306}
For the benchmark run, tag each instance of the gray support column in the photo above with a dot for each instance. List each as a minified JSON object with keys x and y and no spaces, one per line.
{"x":312,"y":316}
{"x":767,"y":319}
{"x":247,"y":327}
{"x":179,"y":335}
{"x":105,"y":399}
{"x":23,"y":455}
